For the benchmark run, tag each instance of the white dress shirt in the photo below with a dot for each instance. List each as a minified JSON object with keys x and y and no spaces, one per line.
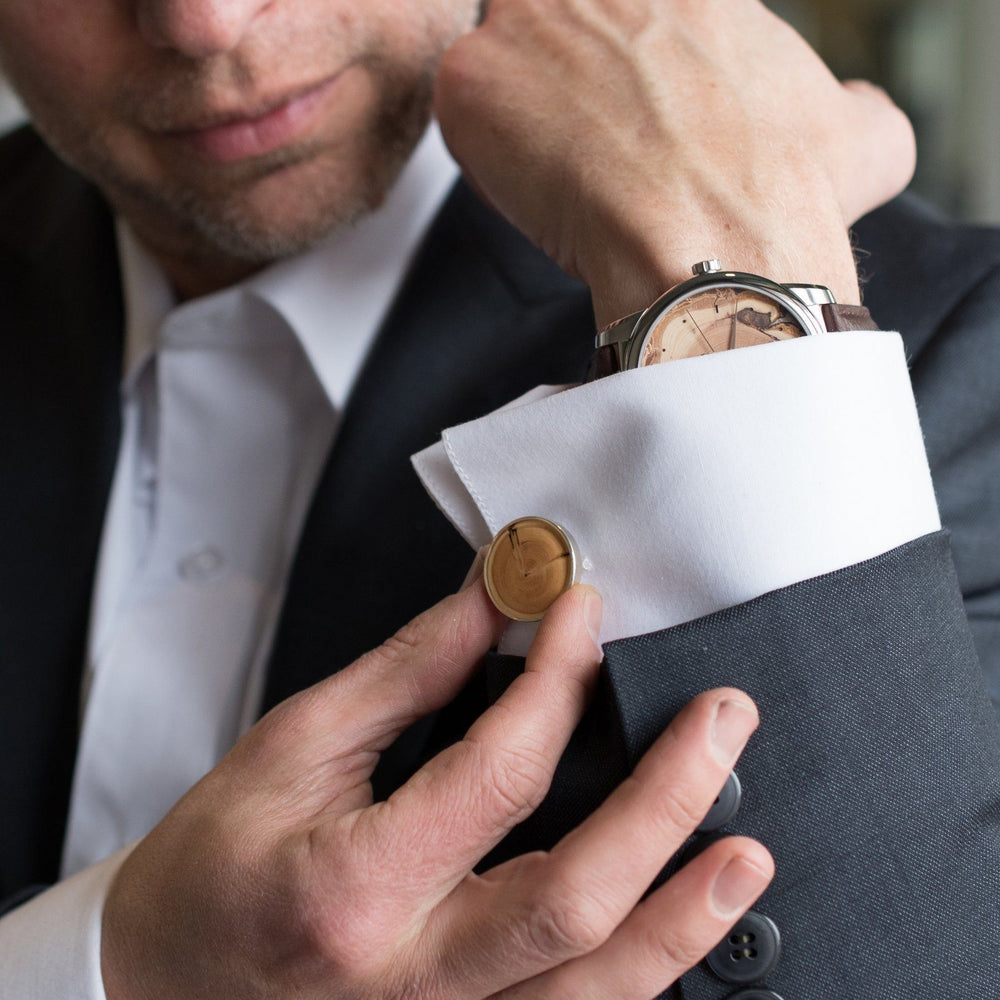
{"x":230,"y":403}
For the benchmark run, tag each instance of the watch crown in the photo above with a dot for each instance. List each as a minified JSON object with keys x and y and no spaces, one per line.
{"x":706,"y":267}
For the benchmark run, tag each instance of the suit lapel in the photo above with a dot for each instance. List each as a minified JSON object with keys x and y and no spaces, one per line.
{"x":59,"y":419}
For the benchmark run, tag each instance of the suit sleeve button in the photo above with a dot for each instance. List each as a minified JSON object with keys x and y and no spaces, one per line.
{"x":748,"y":952}
{"x":726,"y":805}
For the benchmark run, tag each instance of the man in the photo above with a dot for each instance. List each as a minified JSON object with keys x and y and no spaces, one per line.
{"x":225,"y":136}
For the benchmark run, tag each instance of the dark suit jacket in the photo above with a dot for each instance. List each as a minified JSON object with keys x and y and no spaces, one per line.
{"x":875,"y":777}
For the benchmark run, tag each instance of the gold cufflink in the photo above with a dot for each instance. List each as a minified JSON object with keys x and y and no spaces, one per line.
{"x":529,"y":563}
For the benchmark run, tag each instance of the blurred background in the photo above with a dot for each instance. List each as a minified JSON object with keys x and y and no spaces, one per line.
{"x":940,"y":59}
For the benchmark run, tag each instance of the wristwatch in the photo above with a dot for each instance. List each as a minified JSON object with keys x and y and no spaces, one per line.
{"x":719,"y":310}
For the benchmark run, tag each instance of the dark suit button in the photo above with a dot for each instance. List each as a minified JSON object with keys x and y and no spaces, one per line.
{"x":748,"y":952}
{"x":754,"y":994}
{"x":726,"y":805}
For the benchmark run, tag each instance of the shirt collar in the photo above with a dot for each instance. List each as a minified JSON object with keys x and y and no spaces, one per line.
{"x":333,"y":296}
{"x":148,"y":301}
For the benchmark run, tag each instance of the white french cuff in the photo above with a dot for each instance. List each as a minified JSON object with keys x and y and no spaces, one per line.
{"x":697,"y":485}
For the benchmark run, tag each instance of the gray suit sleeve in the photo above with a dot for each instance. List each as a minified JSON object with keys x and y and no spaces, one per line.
{"x":874,"y":778}
{"x":955,"y":380}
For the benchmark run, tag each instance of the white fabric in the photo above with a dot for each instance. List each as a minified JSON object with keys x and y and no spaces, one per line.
{"x":242,"y":429}
{"x":50,"y":947}
{"x":696,"y":485}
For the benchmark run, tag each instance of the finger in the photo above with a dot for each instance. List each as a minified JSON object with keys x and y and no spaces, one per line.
{"x":538,"y":911}
{"x":667,"y":933}
{"x":883,"y":150}
{"x":661,"y":804}
{"x":360,"y":710}
{"x":462,"y":803}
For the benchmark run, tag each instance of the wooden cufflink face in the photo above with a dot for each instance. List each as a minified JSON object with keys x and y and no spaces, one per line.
{"x":530,"y":562}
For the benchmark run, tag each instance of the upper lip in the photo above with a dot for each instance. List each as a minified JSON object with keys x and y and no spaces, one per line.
{"x":215,"y":118}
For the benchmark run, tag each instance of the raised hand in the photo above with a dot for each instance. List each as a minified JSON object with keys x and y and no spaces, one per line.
{"x":631,"y":138}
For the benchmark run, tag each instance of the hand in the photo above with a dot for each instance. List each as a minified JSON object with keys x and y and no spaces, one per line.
{"x":631,"y":138}
{"x":277,"y":876}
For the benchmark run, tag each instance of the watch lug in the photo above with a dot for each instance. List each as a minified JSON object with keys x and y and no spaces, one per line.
{"x":813,"y":295}
{"x":618,"y":332}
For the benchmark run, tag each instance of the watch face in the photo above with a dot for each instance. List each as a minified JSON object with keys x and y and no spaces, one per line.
{"x":717,"y":319}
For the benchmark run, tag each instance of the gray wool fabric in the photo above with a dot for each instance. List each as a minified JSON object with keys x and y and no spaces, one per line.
{"x":874,"y":778}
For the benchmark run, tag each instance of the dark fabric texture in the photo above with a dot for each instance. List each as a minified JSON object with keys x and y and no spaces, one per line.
{"x":874,"y":778}
{"x":19,"y":897}
{"x":866,"y":678}
{"x":938,"y":283}
{"x":60,"y":338}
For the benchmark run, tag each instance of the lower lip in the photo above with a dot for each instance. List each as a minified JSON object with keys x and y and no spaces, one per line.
{"x":249,"y":137}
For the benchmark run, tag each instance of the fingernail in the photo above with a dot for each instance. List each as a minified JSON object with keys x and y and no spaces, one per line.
{"x":593,"y":611}
{"x":734,"y":722}
{"x":737,"y":886}
{"x":475,"y":570}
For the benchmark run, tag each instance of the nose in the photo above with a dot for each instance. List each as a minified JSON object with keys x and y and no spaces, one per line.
{"x":197,"y":28}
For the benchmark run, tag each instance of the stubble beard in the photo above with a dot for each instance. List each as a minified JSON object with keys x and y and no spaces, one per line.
{"x":213,"y":221}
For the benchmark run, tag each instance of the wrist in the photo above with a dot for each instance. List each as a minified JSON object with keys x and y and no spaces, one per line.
{"x":636,"y":264}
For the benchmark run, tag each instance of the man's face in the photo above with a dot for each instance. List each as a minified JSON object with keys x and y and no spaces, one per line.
{"x":240,"y":128}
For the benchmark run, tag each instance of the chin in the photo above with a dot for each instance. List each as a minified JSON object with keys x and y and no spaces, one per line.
{"x":260,"y":229}
{"x":280,"y":207}
{"x":254,"y":220}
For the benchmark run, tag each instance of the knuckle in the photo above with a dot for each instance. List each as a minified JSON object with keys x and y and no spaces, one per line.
{"x":681,"y":807}
{"x":401,"y":647}
{"x":457,"y":81}
{"x":343,"y":949}
{"x":562,"y":924}
{"x":439,"y":638}
{"x":343,"y":931}
{"x":290,"y":721}
{"x":518,"y":779}
{"x":669,"y":949}
{"x":905,"y":137}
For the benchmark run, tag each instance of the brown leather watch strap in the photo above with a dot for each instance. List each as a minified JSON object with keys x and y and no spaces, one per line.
{"x":603,"y":362}
{"x":839,"y":318}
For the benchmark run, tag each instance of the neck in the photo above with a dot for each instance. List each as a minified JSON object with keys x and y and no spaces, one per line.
{"x":190,"y":279}
{"x":192,"y":274}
